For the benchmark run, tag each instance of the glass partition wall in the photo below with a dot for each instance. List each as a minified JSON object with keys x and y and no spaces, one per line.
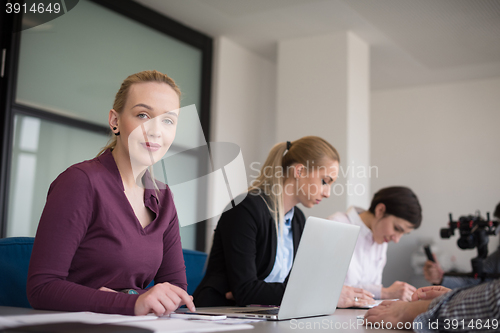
{"x":68,"y":72}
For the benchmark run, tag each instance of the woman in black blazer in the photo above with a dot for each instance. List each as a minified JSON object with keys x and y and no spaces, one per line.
{"x":255,"y":242}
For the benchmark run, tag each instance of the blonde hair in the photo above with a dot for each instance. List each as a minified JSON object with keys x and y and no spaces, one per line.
{"x":122,"y":94}
{"x":307,"y":150}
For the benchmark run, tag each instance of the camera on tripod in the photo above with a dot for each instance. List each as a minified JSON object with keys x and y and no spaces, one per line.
{"x":474,"y":232}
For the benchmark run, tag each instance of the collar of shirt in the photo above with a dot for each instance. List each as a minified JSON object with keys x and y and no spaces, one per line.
{"x":108,"y":161}
{"x":289,"y":216}
{"x":353,"y":215}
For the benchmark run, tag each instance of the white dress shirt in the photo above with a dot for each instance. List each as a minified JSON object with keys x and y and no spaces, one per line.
{"x":368,"y":259}
{"x":284,"y":251}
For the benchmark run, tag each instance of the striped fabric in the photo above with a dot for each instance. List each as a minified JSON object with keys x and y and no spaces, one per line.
{"x":468,"y":309}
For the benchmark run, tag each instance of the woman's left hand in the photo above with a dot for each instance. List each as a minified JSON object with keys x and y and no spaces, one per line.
{"x":399,"y":290}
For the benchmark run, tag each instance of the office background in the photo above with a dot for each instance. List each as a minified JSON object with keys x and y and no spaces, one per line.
{"x":407,"y":91}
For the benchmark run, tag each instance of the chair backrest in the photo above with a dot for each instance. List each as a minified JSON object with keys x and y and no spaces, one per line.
{"x":195,"y":268}
{"x":15,"y":254}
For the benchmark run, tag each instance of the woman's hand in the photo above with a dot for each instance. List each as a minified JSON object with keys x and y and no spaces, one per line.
{"x":396,"y":312}
{"x":433,"y":271}
{"x":349,"y":295}
{"x":400,"y":290}
{"x":429,"y":293}
{"x":162,"y":299}
{"x":108,"y":290}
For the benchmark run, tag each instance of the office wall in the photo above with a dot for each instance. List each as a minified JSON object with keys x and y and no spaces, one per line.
{"x":442,"y":141}
{"x":243,"y":109}
{"x":312,"y":99}
{"x":323,"y":90}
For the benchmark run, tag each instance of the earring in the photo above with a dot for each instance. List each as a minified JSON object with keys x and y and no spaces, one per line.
{"x":117,"y":133}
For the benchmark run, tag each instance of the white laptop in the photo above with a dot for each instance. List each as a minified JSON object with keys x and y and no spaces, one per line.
{"x":316,"y":278}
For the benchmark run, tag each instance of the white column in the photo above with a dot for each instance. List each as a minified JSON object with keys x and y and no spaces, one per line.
{"x":243,"y":108}
{"x":358,"y":121}
{"x":323,"y":90}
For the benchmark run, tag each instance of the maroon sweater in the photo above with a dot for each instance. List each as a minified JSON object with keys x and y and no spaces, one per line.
{"x":89,"y":237}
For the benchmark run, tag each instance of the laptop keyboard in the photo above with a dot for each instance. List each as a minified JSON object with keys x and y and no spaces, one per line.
{"x":269,"y":312}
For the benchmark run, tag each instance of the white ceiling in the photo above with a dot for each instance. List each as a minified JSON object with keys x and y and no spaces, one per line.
{"x":413,"y":42}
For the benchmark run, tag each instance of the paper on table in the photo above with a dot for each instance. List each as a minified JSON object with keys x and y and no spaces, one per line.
{"x":150,"y":322}
{"x":80,"y":317}
{"x":5,"y":322}
{"x":182,"y":325}
{"x":377,"y":303}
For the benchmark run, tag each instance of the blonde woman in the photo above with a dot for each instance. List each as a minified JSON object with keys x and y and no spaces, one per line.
{"x":255,"y":242}
{"x":107,"y":225}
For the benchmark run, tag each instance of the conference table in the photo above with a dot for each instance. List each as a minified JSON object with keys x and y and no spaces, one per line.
{"x":342,"y":320}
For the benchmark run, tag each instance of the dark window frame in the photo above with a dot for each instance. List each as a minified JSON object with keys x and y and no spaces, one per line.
{"x":10,"y":42}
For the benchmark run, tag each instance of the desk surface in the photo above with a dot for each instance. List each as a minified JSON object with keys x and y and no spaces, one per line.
{"x":342,"y":319}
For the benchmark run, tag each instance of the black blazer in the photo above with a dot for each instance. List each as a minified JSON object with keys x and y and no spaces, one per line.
{"x":243,"y":254}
